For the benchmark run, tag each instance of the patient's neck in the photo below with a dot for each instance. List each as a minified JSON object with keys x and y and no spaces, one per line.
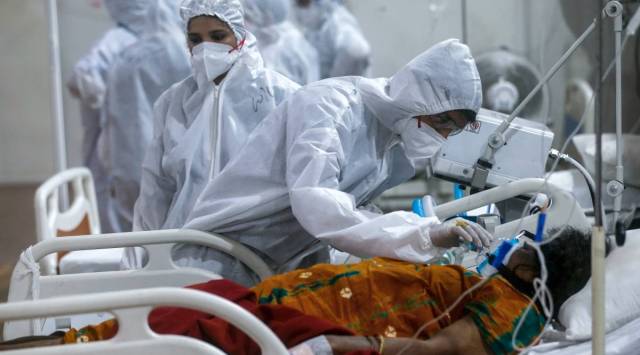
{"x":525,"y":287}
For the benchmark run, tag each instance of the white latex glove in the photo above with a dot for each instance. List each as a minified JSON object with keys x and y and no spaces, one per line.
{"x":453,"y":232}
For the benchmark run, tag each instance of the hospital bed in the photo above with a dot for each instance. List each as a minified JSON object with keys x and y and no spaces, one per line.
{"x":161,"y":271}
{"x":132,"y":308}
{"x":28,"y":284}
{"x":622,"y":341}
{"x":80,"y":217}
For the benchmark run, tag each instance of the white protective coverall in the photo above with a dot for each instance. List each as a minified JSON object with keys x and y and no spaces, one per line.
{"x":139,"y":76}
{"x":309,"y":169}
{"x":335,"y":33}
{"x":89,"y":82}
{"x":129,"y":14}
{"x":199,"y":128}
{"x":282,"y":45}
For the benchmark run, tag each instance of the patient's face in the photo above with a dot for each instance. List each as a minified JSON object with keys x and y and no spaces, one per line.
{"x":524,"y":263}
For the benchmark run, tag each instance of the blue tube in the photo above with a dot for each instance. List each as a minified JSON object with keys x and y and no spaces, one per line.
{"x":542,"y":218}
{"x":418,"y":207}
{"x":458,"y":193}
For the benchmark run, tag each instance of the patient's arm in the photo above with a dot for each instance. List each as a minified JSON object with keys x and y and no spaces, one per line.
{"x":461,"y":337}
{"x":32,"y":342}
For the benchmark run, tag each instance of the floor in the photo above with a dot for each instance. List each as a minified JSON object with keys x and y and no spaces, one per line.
{"x":17,"y":226}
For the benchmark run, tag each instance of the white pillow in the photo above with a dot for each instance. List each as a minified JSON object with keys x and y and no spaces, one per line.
{"x":622,"y":293}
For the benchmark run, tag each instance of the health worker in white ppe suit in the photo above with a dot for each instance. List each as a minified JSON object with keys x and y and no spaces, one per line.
{"x":203,"y":122}
{"x":139,"y":76}
{"x":88,"y":83}
{"x":336,"y":35}
{"x":308,"y":172}
{"x":282,"y":45}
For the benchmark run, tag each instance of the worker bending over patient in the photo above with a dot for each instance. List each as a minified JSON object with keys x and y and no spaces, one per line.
{"x":380,"y":304}
{"x":308,"y":172}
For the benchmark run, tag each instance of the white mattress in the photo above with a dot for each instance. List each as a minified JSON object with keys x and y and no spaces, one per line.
{"x":78,"y":262}
{"x":622,"y":341}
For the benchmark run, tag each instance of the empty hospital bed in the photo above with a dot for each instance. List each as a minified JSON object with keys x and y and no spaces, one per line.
{"x":132,"y":309}
{"x":28,"y":284}
{"x":80,"y":217}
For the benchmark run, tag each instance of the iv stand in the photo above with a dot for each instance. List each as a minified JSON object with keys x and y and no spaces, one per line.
{"x":57,"y":112}
{"x":616,"y":187}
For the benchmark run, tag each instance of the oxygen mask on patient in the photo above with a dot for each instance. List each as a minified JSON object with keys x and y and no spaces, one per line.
{"x":500,"y":256}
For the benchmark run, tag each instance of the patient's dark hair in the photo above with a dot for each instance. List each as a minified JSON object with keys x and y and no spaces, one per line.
{"x":568,"y":260}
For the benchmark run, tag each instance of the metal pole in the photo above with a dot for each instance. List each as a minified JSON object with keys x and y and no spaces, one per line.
{"x":598,"y":235}
{"x":57,"y":111}
{"x":497,"y":139}
{"x":465,"y":30}
{"x":616,"y":187}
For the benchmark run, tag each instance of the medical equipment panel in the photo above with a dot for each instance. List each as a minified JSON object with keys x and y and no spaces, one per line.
{"x":523,"y":156}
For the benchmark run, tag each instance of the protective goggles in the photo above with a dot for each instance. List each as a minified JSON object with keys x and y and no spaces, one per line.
{"x":444,"y":121}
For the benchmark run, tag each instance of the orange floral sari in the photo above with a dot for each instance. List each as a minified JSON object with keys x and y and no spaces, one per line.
{"x":395,"y":299}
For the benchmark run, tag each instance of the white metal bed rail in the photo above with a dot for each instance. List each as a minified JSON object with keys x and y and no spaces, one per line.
{"x":564,"y":209}
{"x":50,"y":218}
{"x":160,"y":271}
{"x":159,"y":245}
{"x":131,"y":309}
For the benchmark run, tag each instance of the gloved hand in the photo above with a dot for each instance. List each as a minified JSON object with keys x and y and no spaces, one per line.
{"x":456,"y":231}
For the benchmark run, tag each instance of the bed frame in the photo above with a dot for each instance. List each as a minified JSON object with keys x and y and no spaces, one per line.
{"x":160,"y":271}
{"x":132,"y":308}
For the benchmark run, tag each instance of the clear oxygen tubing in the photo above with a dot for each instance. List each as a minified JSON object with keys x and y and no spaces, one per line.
{"x":591,"y":184}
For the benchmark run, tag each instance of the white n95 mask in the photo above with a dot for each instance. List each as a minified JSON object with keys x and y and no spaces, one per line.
{"x":210,"y":60}
{"x":421,"y":144}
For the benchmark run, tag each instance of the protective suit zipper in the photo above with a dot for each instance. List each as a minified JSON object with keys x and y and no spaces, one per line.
{"x":214,"y":129}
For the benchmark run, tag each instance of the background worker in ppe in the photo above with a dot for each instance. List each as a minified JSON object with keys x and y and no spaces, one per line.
{"x":281,"y":44}
{"x":88,"y":83}
{"x":203,"y":122}
{"x":306,"y":175}
{"x":139,"y":76}
{"x":336,"y":35}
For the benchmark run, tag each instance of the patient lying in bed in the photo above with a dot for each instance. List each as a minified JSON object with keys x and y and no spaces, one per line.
{"x":379,"y":304}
